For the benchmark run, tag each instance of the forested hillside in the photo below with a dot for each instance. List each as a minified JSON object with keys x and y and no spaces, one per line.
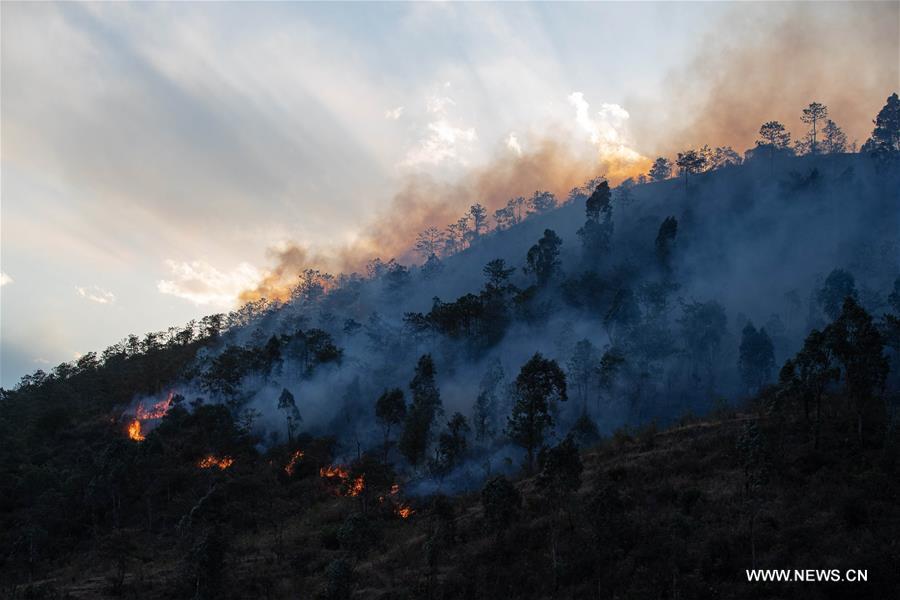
{"x":636,"y":392}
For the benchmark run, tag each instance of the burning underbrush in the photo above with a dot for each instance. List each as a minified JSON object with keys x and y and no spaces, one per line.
{"x":212,"y":461}
{"x":150,"y":416}
{"x":348,"y":485}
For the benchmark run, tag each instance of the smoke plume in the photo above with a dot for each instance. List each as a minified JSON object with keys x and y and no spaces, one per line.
{"x":761,"y":65}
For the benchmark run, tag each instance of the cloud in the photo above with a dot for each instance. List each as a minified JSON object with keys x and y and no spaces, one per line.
{"x":96,"y":294}
{"x":512,"y":142}
{"x":4,"y":279}
{"x":443,"y":142}
{"x":201,"y":283}
{"x":606,"y":127}
{"x":394,"y":113}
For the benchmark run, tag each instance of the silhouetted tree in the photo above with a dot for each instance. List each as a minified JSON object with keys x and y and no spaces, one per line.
{"x":858,"y":346}
{"x":808,"y":373}
{"x":773,"y":139}
{"x":430,"y":242}
{"x":834,"y":140}
{"x":886,"y":135}
{"x":690,"y":162}
{"x":774,"y":135}
{"x":597,"y":230}
{"x":539,"y":383}
{"x":543,"y":258}
{"x":452,"y":445}
{"x":723,"y":156}
{"x":812,"y":115}
{"x":541,"y":202}
{"x":390,"y":411}
{"x":425,"y":406}
{"x":495,"y":300}
{"x":661,"y":169}
{"x":478,"y":215}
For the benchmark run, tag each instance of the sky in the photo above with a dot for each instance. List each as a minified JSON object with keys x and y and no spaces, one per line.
{"x":159,"y":159}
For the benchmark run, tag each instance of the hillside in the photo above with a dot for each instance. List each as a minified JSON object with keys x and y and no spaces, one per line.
{"x":678,"y":513}
{"x":718,"y":352}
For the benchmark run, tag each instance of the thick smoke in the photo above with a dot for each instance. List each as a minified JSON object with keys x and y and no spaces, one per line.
{"x":424,"y":201}
{"x":758,"y":240}
{"x":761,"y":65}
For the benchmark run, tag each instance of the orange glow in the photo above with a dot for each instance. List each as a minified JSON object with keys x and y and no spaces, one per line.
{"x":157,"y":411}
{"x":332,"y":471}
{"x":358,"y":485}
{"x":134,"y":431}
{"x":214,"y":461}
{"x":404,"y":511}
{"x":292,"y":464}
{"x":354,"y":488}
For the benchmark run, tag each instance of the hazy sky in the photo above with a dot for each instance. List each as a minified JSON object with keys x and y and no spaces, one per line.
{"x":153,"y":155}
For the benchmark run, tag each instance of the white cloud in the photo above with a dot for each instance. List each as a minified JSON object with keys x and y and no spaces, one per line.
{"x":201,"y":283}
{"x":394,"y":113}
{"x":606,"y":128}
{"x":96,"y":294}
{"x":443,"y":142}
{"x":512,"y":142}
{"x":4,"y":279}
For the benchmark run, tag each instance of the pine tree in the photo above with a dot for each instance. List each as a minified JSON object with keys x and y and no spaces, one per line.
{"x":425,"y":406}
{"x":543,"y":258}
{"x":661,"y":169}
{"x":886,"y":135}
{"x":539,"y":383}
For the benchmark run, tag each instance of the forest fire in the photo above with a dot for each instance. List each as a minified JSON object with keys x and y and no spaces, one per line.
{"x":134,"y":431}
{"x":211,"y":461}
{"x":292,"y":463}
{"x":332,"y":471}
{"x":357,"y":487}
{"x":402,"y":510}
{"x":354,"y":487}
{"x":157,"y":411}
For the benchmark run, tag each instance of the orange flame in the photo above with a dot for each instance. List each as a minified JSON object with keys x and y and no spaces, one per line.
{"x":358,"y":485}
{"x":292,"y":464}
{"x":213,"y":461}
{"x":157,"y":411}
{"x":354,"y":488}
{"x":404,"y":511}
{"x":134,"y":431}
{"x":333,"y":471}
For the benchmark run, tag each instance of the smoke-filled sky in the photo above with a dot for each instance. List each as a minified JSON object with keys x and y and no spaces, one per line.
{"x":160,"y":159}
